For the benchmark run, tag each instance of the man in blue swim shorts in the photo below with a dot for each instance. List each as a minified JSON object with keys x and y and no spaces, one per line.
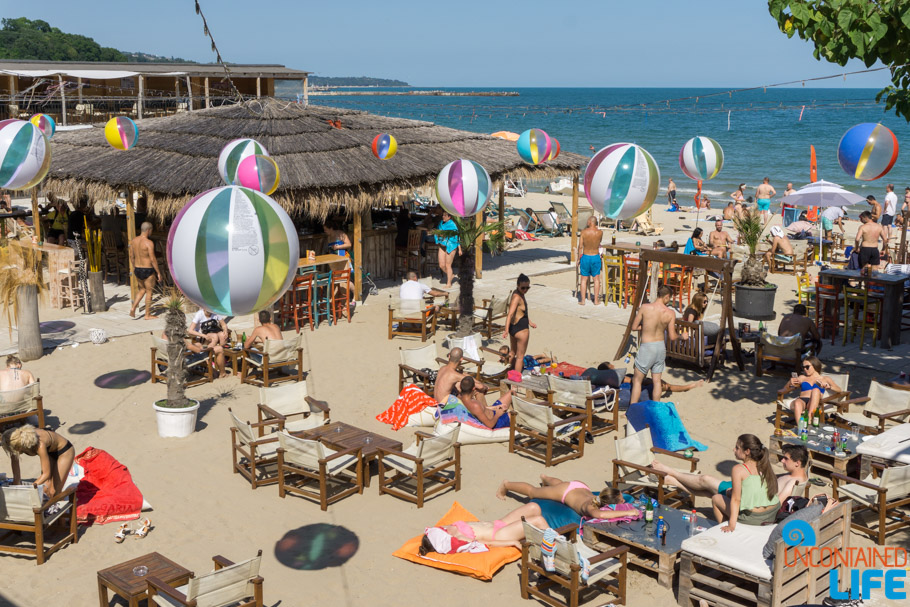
{"x":763,"y":194}
{"x":589,"y":264}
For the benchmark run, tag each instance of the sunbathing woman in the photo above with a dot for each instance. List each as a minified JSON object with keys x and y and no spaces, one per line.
{"x":812,"y":386}
{"x":457,"y":537}
{"x":574,"y":494}
{"x":55,"y":452}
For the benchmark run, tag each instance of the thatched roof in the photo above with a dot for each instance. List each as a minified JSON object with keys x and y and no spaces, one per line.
{"x":321,"y":165}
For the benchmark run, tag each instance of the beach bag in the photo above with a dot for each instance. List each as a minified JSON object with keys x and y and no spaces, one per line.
{"x":210,"y":326}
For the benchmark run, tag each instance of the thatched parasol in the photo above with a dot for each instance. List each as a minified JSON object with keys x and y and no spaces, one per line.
{"x":323,"y":153}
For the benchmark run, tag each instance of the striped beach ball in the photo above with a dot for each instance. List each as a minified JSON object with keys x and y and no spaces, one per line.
{"x":259,"y":172}
{"x":701,"y":158}
{"x":233,"y":154}
{"x":867,"y":151}
{"x":232,"y":250}
{"x":533,"y":146}
{"x":463,"y":188}
{"x":25,"y":155}
{"x":554,"y":148}
{"x":121,"y":132}
{"x":384,"y":146}
{"x":621,"y":181}
{"x":44,"y":122}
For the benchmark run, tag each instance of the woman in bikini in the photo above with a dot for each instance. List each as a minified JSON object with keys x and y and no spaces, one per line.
{"x":55,"y":452}
{"x":518,"y":325}
{"x":812,"y":387}
{"x":507,"y":531}
{"x":574,"y":494}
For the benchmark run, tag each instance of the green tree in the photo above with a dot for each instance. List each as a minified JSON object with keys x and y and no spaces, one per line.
{"x":869,"y":30}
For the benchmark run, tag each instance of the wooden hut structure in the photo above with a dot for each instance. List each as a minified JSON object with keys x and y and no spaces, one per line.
{"x":323,"y":153}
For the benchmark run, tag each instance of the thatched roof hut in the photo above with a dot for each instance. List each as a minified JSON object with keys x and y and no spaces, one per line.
{"x":323,"y":153}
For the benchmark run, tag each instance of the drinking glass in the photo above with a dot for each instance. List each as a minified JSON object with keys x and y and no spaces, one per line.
{"x":140,"y":570}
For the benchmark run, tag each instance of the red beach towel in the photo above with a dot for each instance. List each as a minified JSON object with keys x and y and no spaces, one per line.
{"x":567,"y":369}
{"x":411,"y":400}
{"x":107,"y":493}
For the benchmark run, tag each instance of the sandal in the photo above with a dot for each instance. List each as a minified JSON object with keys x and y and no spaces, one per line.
{"x":144,"y":530}
{"x":122,"y":531}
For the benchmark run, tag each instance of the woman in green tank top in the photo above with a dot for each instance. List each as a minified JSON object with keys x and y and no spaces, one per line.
{"x":753,"y":498}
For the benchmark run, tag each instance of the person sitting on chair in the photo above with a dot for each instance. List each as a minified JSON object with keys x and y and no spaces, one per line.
{"x":266,"y":330}
{"x":55,"y":452}
{"x":781,"y":249}
{"x":695,"y":245}
{"x":14,"y":376}
{"x":812,"y":387}
{"x":798,"y":323}
{"x":448,"y":377}
{"x":210,"y":332}
{"x":411,"y":289}
{"x":473,"y":397}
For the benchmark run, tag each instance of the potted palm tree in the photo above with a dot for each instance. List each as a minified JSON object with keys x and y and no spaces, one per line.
{"x":176,"y":414}
{"x":754,"y":295}
{"x":21,"y":286}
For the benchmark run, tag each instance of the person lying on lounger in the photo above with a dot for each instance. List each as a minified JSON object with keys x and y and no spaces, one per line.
{"x":474,"y":400}
{"x":505,"y":357}
{"x":574,"y":494}
{"x":466,"y":537}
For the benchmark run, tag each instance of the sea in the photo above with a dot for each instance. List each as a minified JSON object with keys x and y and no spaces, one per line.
{"x":763,"y":132}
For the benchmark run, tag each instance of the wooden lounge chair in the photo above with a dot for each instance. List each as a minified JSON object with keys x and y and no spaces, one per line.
{"x":882,"y":408}
{"x":833,"y":401}
{"x":307,"y":461}
{"x":234,"y":584}
{"x":728,"y":569}
{"x":24,"y":514}
{"x":632,"y":467}
{"x":278,"y":405}
{"x":412,"y":318}
{"x":799,"y":264}
{"x":276,"y":353}
{"x":883,"y":492}
{"x":533,"y":424}
{"x":432,"y":460}
{"x":199,"y":366}
{"x":255,"y":458}
{"x":414,"y":366}
{"x":785,"y":350}
{"x":607,"y":569}
{"x":488,"y":313}
{"x":547,"y":224}
{"x":22,"y":403}
{"x":577,"y":396}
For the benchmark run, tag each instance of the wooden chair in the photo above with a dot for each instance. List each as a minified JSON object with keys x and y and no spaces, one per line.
{"x":607,"y":572}
{"x":341,"y":295}
{"x":24,"y":514}
{"x":861,"y":312}
{"x":833,"y":401}
{"x":413,"y":365}
{"x":576,"y":396}
{"x":200,"y":365}
{"x":799,"y":263}
{"x":679,"y":278}
{"x":297,"y":303}
{"x":234,"y":584}
{"x":113,"y":257}
{"x":71,"y":294}
{"x":488,"y":313}
{"x":632,"y":467}
{"x":533,"y":424}
{"x":805,"y":291}
{"x":882,"y":408}
{"x":695,"y":350}
{"x":827,"y":309}
{"x":277,"y":405}
{"x":276,"y":353}
{"x":785,"y":350}
{"x":307,"y":461}
{"x":613,"y":285}
{"x":255,"y":458}
{"x":411,"y":318}
{"x":883,"y":492}
{"x":22,"y":403}
{"x":432,"y":460}
{"x":630,"y":269}
{"x":484,"y":370}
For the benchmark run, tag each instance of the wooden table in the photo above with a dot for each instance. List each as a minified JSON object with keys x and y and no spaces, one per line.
{"x":235,"y":356}
{"x":121,"y":580}
{"x":822,"y":459}
{"x":892,"y":305}
{"x":335,"y":262}
{"x":339,"y":435}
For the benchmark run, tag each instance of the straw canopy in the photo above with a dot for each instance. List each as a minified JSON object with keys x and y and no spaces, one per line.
{"x":323,"y":153}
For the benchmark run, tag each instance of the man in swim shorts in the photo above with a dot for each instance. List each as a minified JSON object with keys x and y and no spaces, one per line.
{"x":763,"y":194}
{"x":867,"y":238}
{"x":589,"y":264}
{"x":653,"y":319}
{"x":475,"y":401}
{"x":448,"y":377}
{"x":781,"y":249}
{"x":145,"y":269}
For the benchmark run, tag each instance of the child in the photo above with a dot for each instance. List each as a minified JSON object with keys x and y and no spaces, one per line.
{"x":505,"y":357}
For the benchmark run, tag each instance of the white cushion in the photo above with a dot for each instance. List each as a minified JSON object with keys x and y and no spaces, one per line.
{"x":864,"y":495}
{"x":337,"y":465}
{"x":888,"y":445}
{"x":469,"y":435}
{"x":741,"y":549}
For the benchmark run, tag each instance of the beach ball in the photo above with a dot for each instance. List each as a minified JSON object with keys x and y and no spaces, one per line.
{"x":621,"y":181}
{"x":867,"y":151}
{"x":25,"y":155}
{"x":384,"y":146}
{"x":533,"y":146}
{"x":701,"y":158}
{"x":232,"y":250}
{"x":554,"y":148}
{"x":258,"y":172}
{"x":121,"y":132}
{"x":233,"y":153}
{"x":44,"y":122}
{"x":463,"y":188}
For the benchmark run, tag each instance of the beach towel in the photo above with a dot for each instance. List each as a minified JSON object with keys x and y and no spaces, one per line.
{"x":667,"y":429}
{"x":567,"y":370}
{"x":469,"y":347}
{"x":522,"y":235}
{"x":456,"y":413}
{"x":634,"y":514}
{"x":106,"y":493}
{"x":410,"y":400}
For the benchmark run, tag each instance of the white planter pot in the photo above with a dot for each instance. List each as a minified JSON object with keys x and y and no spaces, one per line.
{"x":176,"y":423}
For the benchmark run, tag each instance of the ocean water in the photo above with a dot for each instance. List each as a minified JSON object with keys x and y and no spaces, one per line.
{"x":760,"y":131}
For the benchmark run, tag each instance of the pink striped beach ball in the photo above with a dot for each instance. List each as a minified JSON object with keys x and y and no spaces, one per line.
{"x":463,"y":188}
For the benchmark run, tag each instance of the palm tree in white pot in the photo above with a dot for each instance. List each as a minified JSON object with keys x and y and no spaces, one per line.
{"x":176,"y":414}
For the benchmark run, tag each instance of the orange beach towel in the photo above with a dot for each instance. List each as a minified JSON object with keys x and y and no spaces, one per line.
{"x":411,"y":400}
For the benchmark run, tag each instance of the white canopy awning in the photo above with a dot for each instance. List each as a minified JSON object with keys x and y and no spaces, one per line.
{"x":86,"y":74}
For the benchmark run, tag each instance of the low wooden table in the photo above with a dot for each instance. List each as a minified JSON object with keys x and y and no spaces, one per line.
{"x":339,"y":435}
{"x":821,"y":458}
{"x":121,"y":580}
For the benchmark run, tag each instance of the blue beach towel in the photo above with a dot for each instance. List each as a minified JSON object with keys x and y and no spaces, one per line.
{"x":667,"y":429}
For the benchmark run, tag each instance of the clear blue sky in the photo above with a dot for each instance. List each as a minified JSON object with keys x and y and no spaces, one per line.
{"x":596,"y":43}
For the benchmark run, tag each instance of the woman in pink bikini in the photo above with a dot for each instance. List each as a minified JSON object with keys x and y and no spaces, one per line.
{"x":467,"y":537}
{"x":574,"y":494}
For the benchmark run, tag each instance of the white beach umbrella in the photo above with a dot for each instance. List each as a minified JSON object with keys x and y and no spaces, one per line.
{"x":822,"y":194}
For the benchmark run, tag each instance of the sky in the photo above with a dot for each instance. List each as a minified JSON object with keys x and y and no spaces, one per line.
{"x":470,"y":43}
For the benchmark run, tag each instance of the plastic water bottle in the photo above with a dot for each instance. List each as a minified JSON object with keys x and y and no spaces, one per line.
{"x":693,"y":523}
{"x":660,"y":526}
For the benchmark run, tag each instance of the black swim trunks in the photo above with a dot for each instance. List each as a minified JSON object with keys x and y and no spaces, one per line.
{"x":887,"y":220}
{"x":869,"y":256}
{"x":143,"y":273}
{"x":55,"y":455}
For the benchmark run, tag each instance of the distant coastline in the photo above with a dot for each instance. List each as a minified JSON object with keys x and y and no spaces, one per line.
{"x":329,"y":92}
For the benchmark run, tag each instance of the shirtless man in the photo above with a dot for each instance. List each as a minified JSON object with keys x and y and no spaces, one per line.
{"x":781,"y":249}
{"x":652,"y":320}
{"x":876,"y":209}
{"x":729,"y":211}
{"x":145,"y":269}
{"x":798,"y":323}
{"x":474,"y":399}
{"x":671,"y":192}
{"x":13,"y":376}
{"x":867,"y":238}
{"x":789,"y":190}
{"x":589,"y":264}
{"x":719,"y":240}
{"x":266,"y":330}
{"x":763,"y":194}
{"x":449,"y":376}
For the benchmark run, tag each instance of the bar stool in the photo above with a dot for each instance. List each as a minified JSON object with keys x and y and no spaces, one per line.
{"x":71,"y":294}
{"x":613,"y":279}
{"x":297,"y":303}
{"x":630,"y":269}
{"x":805,"y":291}
{"x":866,"y":312}
{"x":827,"y":308}
{"x":680,"y":279}
{"x":322,"y":298}
{"x":341,"y":294}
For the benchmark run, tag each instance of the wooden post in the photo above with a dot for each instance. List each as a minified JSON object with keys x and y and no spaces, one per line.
{"x":79,"y":91}
{"x":140,"y":98}
{"x":652,"y":291}
{"x":62,"y":100}
{"x":902,"y":252}
{"x":358,"y":255}
{"x":502,"y":200}
{"x":306,"y":91}
{"x":478,"y":248}
{"x":189,"y":92}
{"x":130,"y":234}
{"x":258,"y":87}
{"x":36,"y":217}
{"x":574,"y":256}
{"x":208,"y":102}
